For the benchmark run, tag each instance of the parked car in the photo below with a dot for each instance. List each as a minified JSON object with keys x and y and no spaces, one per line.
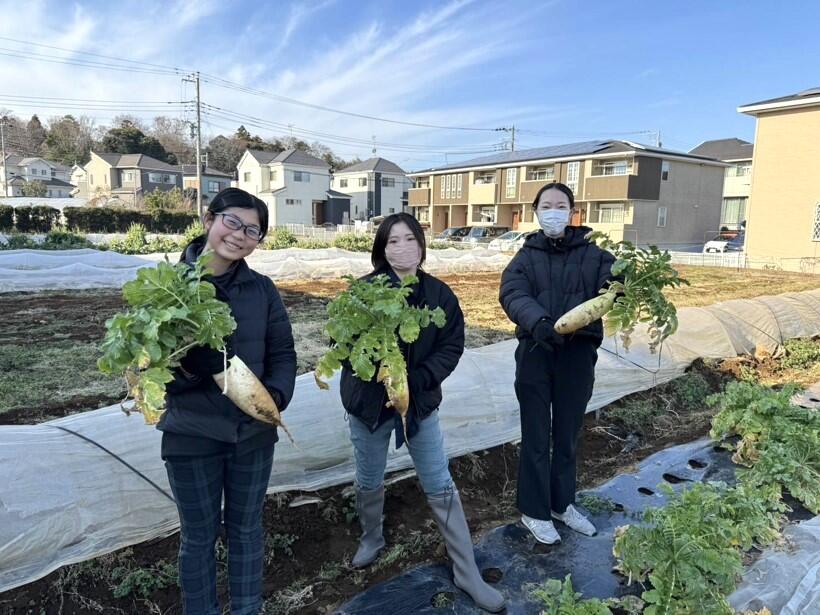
{"x":509,"y":241}
{"x":718,"y":244}
{"x":485,"y":234}
{"x":738,"y":244}
{"x":454,"y":233}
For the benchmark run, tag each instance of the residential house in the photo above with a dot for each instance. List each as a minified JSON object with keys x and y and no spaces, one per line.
{"x":737,"y":179}
{"x":213,"y":180}
{"x":377,"y":187}
{"x":783,"y":218}
{"x":128,"y":177}
{"x":17,"y":171}
{"x":295,"y":186}
{"x":643,"y":194}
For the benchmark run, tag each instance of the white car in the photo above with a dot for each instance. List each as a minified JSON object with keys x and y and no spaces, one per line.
{"x":718,"y":244}
{"x":509,"y":241}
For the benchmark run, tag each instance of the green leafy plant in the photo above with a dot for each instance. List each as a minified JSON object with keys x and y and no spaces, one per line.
{"x":560,"y":598}
{"x":312,"y":244}
{"x":171,"y":310}
{"x":355,"y":242}
{"x":18,"y":241}
{"x":58,"y":239}
{"x":365,"y":324}
{"x":279,"y":239}
{"x":800,"y":353}
{"x":194,"y":230}
{"x":134,"y":242}
{"x":635,"y":296}
{"x":142,"y":582}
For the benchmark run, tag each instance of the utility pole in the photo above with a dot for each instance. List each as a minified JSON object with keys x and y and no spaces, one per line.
{"x":194,"y":78}
{"x":3,"y":154}
{"x":510,"y":129}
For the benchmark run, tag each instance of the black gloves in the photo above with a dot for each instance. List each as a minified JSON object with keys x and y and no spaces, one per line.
{"x":546,"y":336}
{"x":204,"y":361}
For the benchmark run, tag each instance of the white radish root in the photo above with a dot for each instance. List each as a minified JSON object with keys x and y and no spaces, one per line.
{"x":585,"y":314}
{"x":244,"y":389}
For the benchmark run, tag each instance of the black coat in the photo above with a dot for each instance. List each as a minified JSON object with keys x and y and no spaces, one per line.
{"x":548,"y":277}
{"x":436,"y":351}
{"x":263,"y":339}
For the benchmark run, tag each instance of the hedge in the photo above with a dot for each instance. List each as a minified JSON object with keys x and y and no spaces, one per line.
{"x":6,"y":217}
{"x":118,"y":220}
{"x":36,"y":219}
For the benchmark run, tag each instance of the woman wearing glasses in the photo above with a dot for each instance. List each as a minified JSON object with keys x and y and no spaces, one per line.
{"x":211,"y":448}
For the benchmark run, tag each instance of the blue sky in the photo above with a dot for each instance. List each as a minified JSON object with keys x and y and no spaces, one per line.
{"x":561,"y":71}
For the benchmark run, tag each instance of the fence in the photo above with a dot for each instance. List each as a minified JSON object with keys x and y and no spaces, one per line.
{"x":734,"y":260}
{"x":319,"y":232}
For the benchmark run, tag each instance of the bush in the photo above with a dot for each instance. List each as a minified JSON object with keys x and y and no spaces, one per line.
{"x":164,"y":221}
{"x":194,"y":230}
{"x":119,"y":219}
{"x":134,"y":241}
{"x":355,"y":242}
{"x":64,"y":240}
{"x":90,"y":219}
{"x":312,"y":244}
{"x":159,"y":200}
{"x":280,"y":239}
{"x":36,"y":219}
{"x":6,"y":218}
{"x":17,"y":241}
{"x":163,"y":244}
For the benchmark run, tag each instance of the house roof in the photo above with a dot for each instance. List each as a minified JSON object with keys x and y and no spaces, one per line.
{"x":806,"y":98}
{"x":137,"y":161}
{"x":334,"y":194}
{"x":725,"y":149}
{"x":289,"y":156}
{"x":13,"y":160}
{"x":569,"y":150}
{"x":58,"y":183}
{"x":190,"y":169}
{"x":379,"y":165}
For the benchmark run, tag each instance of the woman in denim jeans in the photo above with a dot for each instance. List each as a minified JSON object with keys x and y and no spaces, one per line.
{"x":399,"y":251}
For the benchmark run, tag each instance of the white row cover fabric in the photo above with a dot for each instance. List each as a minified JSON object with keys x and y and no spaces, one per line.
{"x":29,"y":270}
{"x":63,"y":499}
{"x":786,"y":581}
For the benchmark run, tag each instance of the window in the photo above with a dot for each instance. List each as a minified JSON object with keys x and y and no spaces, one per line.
{"x":388,"y":182}
{"x":573,"y":171}
{"x":485,"y":178}
{"x":484,"y":213}
{"x":610,"y":213}
{"x":162,"y":178}
{"x":54,"y":172}
{"x":458,"y":191}
{"x":665,"y":170}
{"x":815,"y":235}
{"x":423,"y":183}
{"x":213,"y":186}
{"x":441,"y":182}
{"x":49,"y":193}
{"x":362,"y":182}
{"x":742,"y":169}
{"x":662,"y":216}
{"x":293,"y":202}
{"x":301,"y":176}
{"x":611,"y":167}
{"x":91,"y":178}
{"x":733,"y":213}
{"x":423,"y":214}
{"x":246,"y":177}
{"x":43,"y":172}
{"x":273,"y":175}
{"x":512,"y":178}
{"x":392,"y":210}
{"x":342,"y":183}
{"x":446,"y":186}
{"x":127,"y":176}
{"x":540,"y":173}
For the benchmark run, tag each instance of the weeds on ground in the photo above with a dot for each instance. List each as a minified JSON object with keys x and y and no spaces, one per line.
{"x":595,"y":504}
{"x":559,"y":598}
{"x":800,"y":354}
{"x":278,"y":542}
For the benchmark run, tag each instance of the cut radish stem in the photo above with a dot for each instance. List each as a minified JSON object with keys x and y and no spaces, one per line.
{"x":585,"y":314}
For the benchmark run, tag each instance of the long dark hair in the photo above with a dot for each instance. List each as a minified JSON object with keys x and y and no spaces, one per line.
{"x":383,"y":234}
{"x":556,"y":186}
{"x":234,"y":197}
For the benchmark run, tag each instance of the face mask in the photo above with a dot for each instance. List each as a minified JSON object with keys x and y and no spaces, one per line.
{"x":553,"y":221}
{"x":403,"y":256}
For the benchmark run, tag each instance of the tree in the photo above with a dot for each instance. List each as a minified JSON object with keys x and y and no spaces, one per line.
{"x":34,"y":188}
{"x":159,"y":200}
{"x":69,"y":140}
{"x":224,"y":153}
{"x":35,"y":135}
{"x":129,"y":139}
{"x":176,"y":136}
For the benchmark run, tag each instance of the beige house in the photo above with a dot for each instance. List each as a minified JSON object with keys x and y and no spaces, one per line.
{"x":737,"y":180}
{"x":128,"y":177}
{"x":630,"y":191}
{"x":783,"y":221}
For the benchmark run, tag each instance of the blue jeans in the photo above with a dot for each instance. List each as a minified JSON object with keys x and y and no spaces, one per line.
{"x":198,"y":484}
{"x":426,"y":449}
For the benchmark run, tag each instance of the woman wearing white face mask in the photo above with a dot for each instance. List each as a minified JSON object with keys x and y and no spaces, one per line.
{"x":556,"y":270}
{"x":399,"y":251}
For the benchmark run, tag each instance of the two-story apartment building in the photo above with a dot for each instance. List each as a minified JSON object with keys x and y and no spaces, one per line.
{"x":128,"y":177}
{"x":16,"y":171}
{"x":737,"y":179}
{"x":783,"y":218}
{"x":213,"y":180}
{"x":295,"y":186}
{"x":631,"y":191}
{"x":377,"y":187}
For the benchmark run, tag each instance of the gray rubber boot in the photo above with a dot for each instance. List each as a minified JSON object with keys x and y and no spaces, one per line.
{"x":449,"y":515}
{"x":369,"y":506}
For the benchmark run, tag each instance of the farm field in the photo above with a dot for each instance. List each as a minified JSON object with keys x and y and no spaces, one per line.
{"x":48,"y":349}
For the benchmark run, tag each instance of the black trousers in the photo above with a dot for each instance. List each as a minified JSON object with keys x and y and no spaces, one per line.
{"x":560,"y":381}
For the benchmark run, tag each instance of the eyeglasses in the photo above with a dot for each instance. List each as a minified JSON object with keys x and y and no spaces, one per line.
{"x":234,"y":223}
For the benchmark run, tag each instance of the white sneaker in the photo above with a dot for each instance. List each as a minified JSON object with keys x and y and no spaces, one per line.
{"x":576,"y":521}
{"x":544,"y":531}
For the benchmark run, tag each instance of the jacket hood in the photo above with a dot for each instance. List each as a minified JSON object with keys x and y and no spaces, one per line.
{"x":574,"y":237}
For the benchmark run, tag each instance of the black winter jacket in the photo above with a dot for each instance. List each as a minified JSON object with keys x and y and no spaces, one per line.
{"x":548,"y":277}
{"x":263,"y":339}
{"x":436,"y":350}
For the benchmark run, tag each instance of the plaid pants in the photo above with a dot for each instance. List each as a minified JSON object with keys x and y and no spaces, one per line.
{"x":198,"y":484}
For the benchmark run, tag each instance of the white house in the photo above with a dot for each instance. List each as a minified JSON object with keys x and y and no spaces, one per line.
{"x":737,"y":181}
{"x":16,"y":171}
{"x":377,"y":187}
{"x":295,"y":186}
